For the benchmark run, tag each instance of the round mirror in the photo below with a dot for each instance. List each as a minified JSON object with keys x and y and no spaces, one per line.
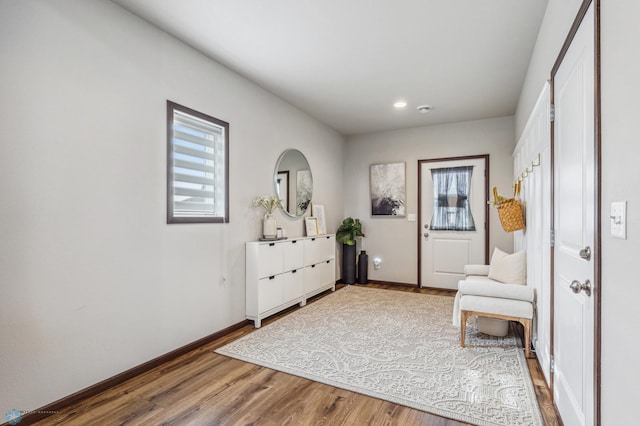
{"x":293,"y":182}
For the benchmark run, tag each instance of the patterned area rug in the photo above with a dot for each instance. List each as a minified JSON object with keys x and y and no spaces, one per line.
{"x":400,"y":347}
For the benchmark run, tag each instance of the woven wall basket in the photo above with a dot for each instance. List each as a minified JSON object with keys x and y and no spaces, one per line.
{"x":510,"y":211}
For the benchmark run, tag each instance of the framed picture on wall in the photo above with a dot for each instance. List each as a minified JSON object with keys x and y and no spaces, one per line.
{"x":311,"y":225}
{"x":388,"y":189}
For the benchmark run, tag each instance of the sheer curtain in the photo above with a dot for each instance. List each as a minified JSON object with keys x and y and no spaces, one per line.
{"x":463,"y":218}
{"x":441,"y":184}
{"x":451,"y":190}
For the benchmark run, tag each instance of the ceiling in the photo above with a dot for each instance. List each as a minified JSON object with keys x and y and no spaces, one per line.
{"x":346,"y":62}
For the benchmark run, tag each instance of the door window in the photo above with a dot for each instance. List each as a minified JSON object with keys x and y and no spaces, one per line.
{"x":451,"y":192}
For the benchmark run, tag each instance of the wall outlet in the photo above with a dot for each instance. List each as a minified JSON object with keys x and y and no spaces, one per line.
{"x":411,"y":217}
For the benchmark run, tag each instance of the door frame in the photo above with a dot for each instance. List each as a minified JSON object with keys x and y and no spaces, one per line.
{"x":597,"y":252}
{"x":486,"y":208}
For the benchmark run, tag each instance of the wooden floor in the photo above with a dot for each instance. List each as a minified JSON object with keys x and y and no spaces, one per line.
{"x":204,"y":388}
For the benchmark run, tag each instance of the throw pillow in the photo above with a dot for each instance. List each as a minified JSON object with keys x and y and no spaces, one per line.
{"x":508,"y":268}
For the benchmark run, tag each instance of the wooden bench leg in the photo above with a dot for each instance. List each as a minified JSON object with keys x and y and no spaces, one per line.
{"x":464,"y":316}
{"x":526,"y":323}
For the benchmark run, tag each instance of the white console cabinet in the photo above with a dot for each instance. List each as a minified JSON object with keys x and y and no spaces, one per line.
{"x":282,"y":273}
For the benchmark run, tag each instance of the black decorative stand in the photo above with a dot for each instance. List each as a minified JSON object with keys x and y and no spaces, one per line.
{"x":348,"y":264}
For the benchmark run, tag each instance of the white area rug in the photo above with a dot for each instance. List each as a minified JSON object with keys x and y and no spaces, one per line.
{"x":400,"y":347}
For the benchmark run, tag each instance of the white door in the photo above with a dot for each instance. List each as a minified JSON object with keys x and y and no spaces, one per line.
{"x":574,"y":207}
{"x":444,"y":251}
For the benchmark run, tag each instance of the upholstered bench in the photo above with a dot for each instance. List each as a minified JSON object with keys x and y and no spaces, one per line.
{"x":496,"y":292}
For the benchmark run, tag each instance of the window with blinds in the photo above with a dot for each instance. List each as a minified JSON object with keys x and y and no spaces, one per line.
{"x":197,"y":166}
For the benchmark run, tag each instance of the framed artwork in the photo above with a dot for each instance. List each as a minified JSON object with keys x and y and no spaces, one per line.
{"x":388,"y":189}
{"x":304,"y":187}
{"x":282,"y":185}
{"x":318,"y":212}
{"x":311,"y":224}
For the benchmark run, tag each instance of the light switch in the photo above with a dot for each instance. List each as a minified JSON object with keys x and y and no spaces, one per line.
{"x":618,"y":219}
{"x":411,"y":217}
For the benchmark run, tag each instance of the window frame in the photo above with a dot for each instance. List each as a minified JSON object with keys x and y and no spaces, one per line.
{"x":171,"y":217}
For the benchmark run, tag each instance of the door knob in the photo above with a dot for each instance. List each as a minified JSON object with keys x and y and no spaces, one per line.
{"x":426,"y":234}
{"x":576,"y":286}
{"x":585,"y":253}
{"x":426,"y":226}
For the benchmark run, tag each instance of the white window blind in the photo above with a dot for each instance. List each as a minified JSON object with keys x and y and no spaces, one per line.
{"x":197,"y":167}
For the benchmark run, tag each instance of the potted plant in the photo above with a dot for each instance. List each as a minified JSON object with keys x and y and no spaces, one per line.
{"x":346,"y":234}
{"x":269,"y":203}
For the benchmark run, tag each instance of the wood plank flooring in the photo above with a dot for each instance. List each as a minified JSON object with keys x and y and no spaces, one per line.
{"x":204,"y":388}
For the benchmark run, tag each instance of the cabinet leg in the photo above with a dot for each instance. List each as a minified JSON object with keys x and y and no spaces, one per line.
{"x":303,"y":302}
{"x":257,"y":323}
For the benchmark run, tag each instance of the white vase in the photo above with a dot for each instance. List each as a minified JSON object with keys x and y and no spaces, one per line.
{"x":269,"y":226}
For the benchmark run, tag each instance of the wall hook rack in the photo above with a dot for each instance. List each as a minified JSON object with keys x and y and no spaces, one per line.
{"x":528,"y":170}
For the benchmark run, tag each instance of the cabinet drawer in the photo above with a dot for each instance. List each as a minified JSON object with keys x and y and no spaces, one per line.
{"x":270,"y":259}
{"x":318,"y":249}
{"x":269,"y":293}
{"x":319,"y":275}
{"x":292,"y":284}
{"x":293,"y":254}
{"x":326,"y":273}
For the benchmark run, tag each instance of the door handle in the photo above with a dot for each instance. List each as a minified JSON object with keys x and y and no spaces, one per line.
{"x":426,"y":235}
{"x":585,"y":253}
{"x":576,"y":286}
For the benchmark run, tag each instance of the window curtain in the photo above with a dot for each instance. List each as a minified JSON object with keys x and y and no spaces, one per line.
{"x":451,"y":187}
{"x":441,"y":183}
{"x":463,"y":218}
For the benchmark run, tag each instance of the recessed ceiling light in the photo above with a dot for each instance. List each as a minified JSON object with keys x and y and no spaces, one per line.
{"x":400,"y":104}
{"x":423,"y":109}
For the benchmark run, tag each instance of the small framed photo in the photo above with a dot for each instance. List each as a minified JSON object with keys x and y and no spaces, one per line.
{"x":311,"y":224}
{"x":318,"y":212}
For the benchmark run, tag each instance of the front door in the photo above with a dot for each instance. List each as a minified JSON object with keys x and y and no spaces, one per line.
{"x":574,"y":226}
{"x":453,"y":205}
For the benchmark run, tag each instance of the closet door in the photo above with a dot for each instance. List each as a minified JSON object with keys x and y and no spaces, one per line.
{"x":575,"y":189}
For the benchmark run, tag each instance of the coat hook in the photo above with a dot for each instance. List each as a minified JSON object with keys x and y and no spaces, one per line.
{"x":534,"y":164}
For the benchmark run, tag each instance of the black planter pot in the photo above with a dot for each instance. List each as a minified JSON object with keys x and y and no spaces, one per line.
{"x":348,"y":264}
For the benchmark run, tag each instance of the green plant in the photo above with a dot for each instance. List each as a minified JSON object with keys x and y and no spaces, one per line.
{"x":348,"y":231}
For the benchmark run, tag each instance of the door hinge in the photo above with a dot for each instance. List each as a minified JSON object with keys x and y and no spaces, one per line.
{"x":553,"y":238}
{"x":552,"y":364}
{"x":552,"y":112}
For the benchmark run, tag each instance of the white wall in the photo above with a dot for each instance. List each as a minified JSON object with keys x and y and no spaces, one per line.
{"x":620,"y":180}
{"x":555,"y":26}
{"x":534,"y":147}
{"x":93,"y":280}
{"x":394,"y":240}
